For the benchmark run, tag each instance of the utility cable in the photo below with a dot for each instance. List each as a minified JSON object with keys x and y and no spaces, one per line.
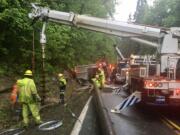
{"x":51,"y":125}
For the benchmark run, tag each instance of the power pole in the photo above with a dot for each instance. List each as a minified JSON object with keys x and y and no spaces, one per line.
{"x":43,"y":43}
{"x":33,"y":53}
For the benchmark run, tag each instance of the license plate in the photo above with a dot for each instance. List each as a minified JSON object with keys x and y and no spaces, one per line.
{"x":160,"y":99}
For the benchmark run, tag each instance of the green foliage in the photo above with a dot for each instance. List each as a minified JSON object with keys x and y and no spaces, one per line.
{"x":141,"y":8}
{"x":66,"y":46}
{"x":163,"y":13}
{"x":2,"y":71}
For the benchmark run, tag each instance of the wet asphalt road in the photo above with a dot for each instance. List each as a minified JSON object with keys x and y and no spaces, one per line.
{"x":141,"y":120}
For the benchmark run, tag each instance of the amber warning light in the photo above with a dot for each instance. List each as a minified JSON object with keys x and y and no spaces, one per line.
{"x":177,"y":92}
{"x":151,"y":84}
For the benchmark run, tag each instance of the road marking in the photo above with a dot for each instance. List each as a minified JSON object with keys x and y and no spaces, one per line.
{"x":171,"y":124}
{"x":77,"y":127}
{"x":167,"y":124}
{"x":129,"y":101}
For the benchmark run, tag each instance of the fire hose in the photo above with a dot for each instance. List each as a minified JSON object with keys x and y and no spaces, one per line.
{"x":73,"y":114}
{"x":13,"y":131}
{"x":50,"y":125}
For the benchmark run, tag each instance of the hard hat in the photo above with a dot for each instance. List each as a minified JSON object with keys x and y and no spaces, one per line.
{"x":60,"y":75}
{"x":28,"y":72}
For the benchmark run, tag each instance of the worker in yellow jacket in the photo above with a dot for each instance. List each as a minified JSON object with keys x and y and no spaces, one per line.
{"x":101,"y":76}
{"x":96,"y":81}
{"x":62,"y":87}
{"x":29,"y":98}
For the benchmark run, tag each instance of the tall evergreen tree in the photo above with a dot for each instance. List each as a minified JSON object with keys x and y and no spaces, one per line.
{"x":140,"y":10}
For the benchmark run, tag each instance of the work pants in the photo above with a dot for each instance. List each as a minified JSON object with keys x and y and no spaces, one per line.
{"x":33,"y":108}
{"x":61,"y":96}
{"x":102,"y":82}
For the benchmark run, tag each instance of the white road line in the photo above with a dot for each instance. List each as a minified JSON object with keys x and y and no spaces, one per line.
{"x":77,"y":127}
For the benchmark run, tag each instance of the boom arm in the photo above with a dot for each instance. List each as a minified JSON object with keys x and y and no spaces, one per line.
{"x":117,"y":28}
{"x":119,"y":53}
{"x":168,"y":46}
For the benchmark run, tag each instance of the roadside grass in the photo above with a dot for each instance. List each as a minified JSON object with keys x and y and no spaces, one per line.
{"x":5,"y":111}
{"x":75,"y":102}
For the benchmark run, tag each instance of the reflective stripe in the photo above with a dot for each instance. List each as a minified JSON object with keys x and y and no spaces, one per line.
{"x":131,"y":100}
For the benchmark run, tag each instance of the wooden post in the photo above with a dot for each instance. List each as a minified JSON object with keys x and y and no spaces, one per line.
{"x":33,"y":54}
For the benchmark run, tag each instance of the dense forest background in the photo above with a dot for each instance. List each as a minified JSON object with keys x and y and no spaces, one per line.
{"x":68,"y":46}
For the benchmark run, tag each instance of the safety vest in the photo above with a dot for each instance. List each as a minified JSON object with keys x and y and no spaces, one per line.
{"x":96,"y":82}
{"x":62,"y":81}
{"x":101,"y":75}
{"x":14,"y":94}
{"x":27,"y":90}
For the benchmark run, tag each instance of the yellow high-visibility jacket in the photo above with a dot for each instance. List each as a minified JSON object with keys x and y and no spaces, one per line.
{"x":62,"y":81}
{"x":101,"y":76}
{"x":27,"y":91}
{"x":96,"y":82}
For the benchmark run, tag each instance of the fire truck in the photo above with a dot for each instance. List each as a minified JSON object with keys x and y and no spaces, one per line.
{"x":157,"y":78}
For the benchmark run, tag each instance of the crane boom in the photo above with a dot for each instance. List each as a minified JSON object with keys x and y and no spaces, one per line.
{"x":112,"y":27}
{"x":168,"y":38}
{"x":152,"y":44}
{"x":119,"y":53}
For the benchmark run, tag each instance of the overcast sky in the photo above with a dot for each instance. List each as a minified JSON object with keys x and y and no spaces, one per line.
{"x":126,"y":7}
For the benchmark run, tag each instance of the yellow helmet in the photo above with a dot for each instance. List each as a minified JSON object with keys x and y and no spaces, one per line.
{"x":28,"y":72}
{"x":60,"y":75}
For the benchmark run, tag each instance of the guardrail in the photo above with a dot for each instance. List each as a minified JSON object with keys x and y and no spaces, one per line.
{"x":105,"y":121}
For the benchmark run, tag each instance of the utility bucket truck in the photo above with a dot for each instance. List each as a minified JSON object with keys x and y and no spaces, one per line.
{"x":121,"y":71}
{"x":157,"y":79}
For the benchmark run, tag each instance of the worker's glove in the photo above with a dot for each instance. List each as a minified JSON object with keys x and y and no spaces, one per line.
{"x":38,"y":99}
{"x":34,"y":97}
